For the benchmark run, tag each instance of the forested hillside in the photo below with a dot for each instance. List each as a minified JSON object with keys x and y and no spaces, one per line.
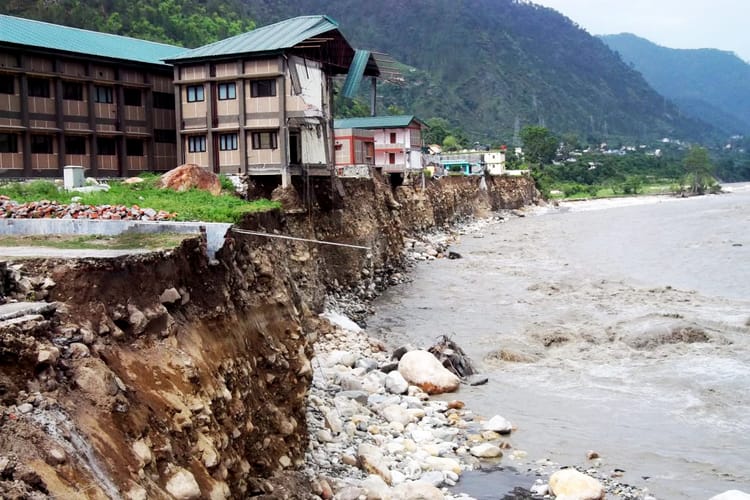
{"x":707,"y":83}
{"x":189,"y":23}
{"x":489,"y":67}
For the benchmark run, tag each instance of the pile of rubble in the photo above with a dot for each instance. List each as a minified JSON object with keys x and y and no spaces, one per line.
{"x":46,"y":209}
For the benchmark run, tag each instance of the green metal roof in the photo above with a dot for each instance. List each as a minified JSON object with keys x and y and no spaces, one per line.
{"x":274,"y":37}
{"x":18,"y":31}
{"x":367,"y":122}
{"x":356,"y":71}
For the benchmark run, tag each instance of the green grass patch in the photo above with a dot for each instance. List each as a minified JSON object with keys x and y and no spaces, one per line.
{"x":124,"y":241}
{"x":193,"y":205}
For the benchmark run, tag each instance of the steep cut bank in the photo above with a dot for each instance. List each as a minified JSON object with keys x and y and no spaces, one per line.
{"x":166,"y":375}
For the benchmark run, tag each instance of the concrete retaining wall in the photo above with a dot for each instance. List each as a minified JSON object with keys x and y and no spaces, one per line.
{"x":215,"y":231}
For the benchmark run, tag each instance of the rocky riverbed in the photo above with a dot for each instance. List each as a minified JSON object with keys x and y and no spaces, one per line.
{"x":373,"y":435}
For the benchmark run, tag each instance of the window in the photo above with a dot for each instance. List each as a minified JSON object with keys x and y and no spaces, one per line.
{"x":392,"y":158}
{"x":38,"y":87}
{"x":7,"y":84}
{"x":103,"y":95}
{"x":393,"y":137}
{"x":75,"y":145}
{"x":228,"y":142}
{"x":132,"y":97}
{"x":8,"y":143}
{"x":72,"y":91}
{"x":163,"y":100}
{"x":263,"y":88}
{"x":165,"y":135}
{"x":195,"y":93}
{"x":264,"y":140}
{"x":41,"y":144}
{"x":106,"y":146}
{"x":134,"y":147}
{"x":227,"y":91}
{"x":197,"y":144}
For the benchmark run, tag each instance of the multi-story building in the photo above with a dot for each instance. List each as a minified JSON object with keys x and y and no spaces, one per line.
{"x":398,"y":141}
{"x":75,"y":97}
{"x":261,"y":102}
{"x":355,"y":152}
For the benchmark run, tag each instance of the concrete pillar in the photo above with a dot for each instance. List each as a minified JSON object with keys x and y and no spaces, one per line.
{"x":286,"y":176}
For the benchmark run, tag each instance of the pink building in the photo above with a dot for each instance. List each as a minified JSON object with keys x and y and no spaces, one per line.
{"x":355,"y":152}
{"x":398,"y":141}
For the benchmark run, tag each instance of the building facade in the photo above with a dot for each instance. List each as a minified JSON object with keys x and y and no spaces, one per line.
{"x":261,"y":103}
{"x":108,"y":105}
{"x":355,"y":152}
{"x":398,"y":141}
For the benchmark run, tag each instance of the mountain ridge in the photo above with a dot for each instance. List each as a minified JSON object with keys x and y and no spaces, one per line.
{"x":712,"y":84}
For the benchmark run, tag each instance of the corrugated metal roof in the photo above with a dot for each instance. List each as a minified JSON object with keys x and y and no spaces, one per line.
{"x":356,"y":71}
{"x":31,"y":33}
{"x":282,"y":35}
{"x":394,"y":121}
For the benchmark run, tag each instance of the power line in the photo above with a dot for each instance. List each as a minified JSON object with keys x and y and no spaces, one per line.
{"x":283,"y":237}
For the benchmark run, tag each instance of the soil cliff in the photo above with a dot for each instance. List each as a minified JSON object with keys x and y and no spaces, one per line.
{"x":167,"y":375}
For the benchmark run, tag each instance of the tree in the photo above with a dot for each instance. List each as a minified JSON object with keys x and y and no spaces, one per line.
{"x":450,"y":143}
{"x":539,"y":145}
{"x":439,"y":129}
{"x":699,"y":170}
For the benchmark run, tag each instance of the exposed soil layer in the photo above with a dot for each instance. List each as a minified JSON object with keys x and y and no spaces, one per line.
{"x":166,"y":375}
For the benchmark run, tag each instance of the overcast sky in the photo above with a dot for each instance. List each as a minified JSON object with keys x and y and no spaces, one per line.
{"x":680,"y":24}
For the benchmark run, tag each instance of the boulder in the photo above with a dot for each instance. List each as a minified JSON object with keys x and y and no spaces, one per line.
{"x":183,"y":485}
{"x":422,"y":369}
{"x":345,"y":358}
{"x":395,"y":383}
{"x":396,"y":413}
{"x":375,"y":488}
{"x":441,"y":464}
{"x":417,"y":490}
{"x":569,"y":484}
{"x":498,"y":424}
{"x":190,"y":176}
{"x":371,"y":461}
{"x":486,"y":450}
{"x":731,"y":495}
{"x":170,"y":296}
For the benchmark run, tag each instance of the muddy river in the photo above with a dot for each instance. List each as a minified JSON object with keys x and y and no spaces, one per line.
{"x":616,"y":326}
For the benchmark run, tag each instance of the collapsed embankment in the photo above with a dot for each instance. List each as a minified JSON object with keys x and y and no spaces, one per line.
{"x":166,"y":375}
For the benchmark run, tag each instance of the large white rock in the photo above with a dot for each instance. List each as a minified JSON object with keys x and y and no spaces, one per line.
{"x":345,"y":358}
{"x":417,"y":490}
{"x":498,"y":424}
{"x":424,"y":370}
{"x":396,"y":413}
{"x":371,"y":461}
{"x":395,"y":383}
{"x":183,"y":485}
{"x":375,"y":488}
{"x":486,"y":450}
{"x":569,"y":484}
{"x":731,"y":495}
{"x":441,"y":464}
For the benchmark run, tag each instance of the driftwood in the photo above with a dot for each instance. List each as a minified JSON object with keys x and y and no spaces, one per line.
{"x":453,"y":357}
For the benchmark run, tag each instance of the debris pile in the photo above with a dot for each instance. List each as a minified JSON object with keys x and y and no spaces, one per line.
{"x":46,"y":209}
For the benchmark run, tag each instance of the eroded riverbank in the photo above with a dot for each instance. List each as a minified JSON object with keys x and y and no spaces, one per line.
{"x":594,"y":338}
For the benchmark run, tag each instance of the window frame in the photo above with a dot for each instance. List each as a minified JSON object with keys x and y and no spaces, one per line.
{"x":256,"y":88}
{"x":160,"y":100}
{"x":129,"y":93}
{"x":229,"y":91}
{"x":35,"y":89}
{"x":192,"y":93}
{"x":100,"y":151}
{"x":45,"y":146}
{"x":259,"y":144}
{"x":75,"y":139}
{"x":8,"y":143}
{"x":72,"y":91}
{"x":135,"y":147}
{"x":228,"y":142}
{"x":108,"y":94}
{"x":165,"y":136}
{"x":7,"y":82}
{"x":196,"y":144}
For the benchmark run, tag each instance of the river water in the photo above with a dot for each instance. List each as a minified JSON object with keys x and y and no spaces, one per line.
{"x":616,"y":326}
